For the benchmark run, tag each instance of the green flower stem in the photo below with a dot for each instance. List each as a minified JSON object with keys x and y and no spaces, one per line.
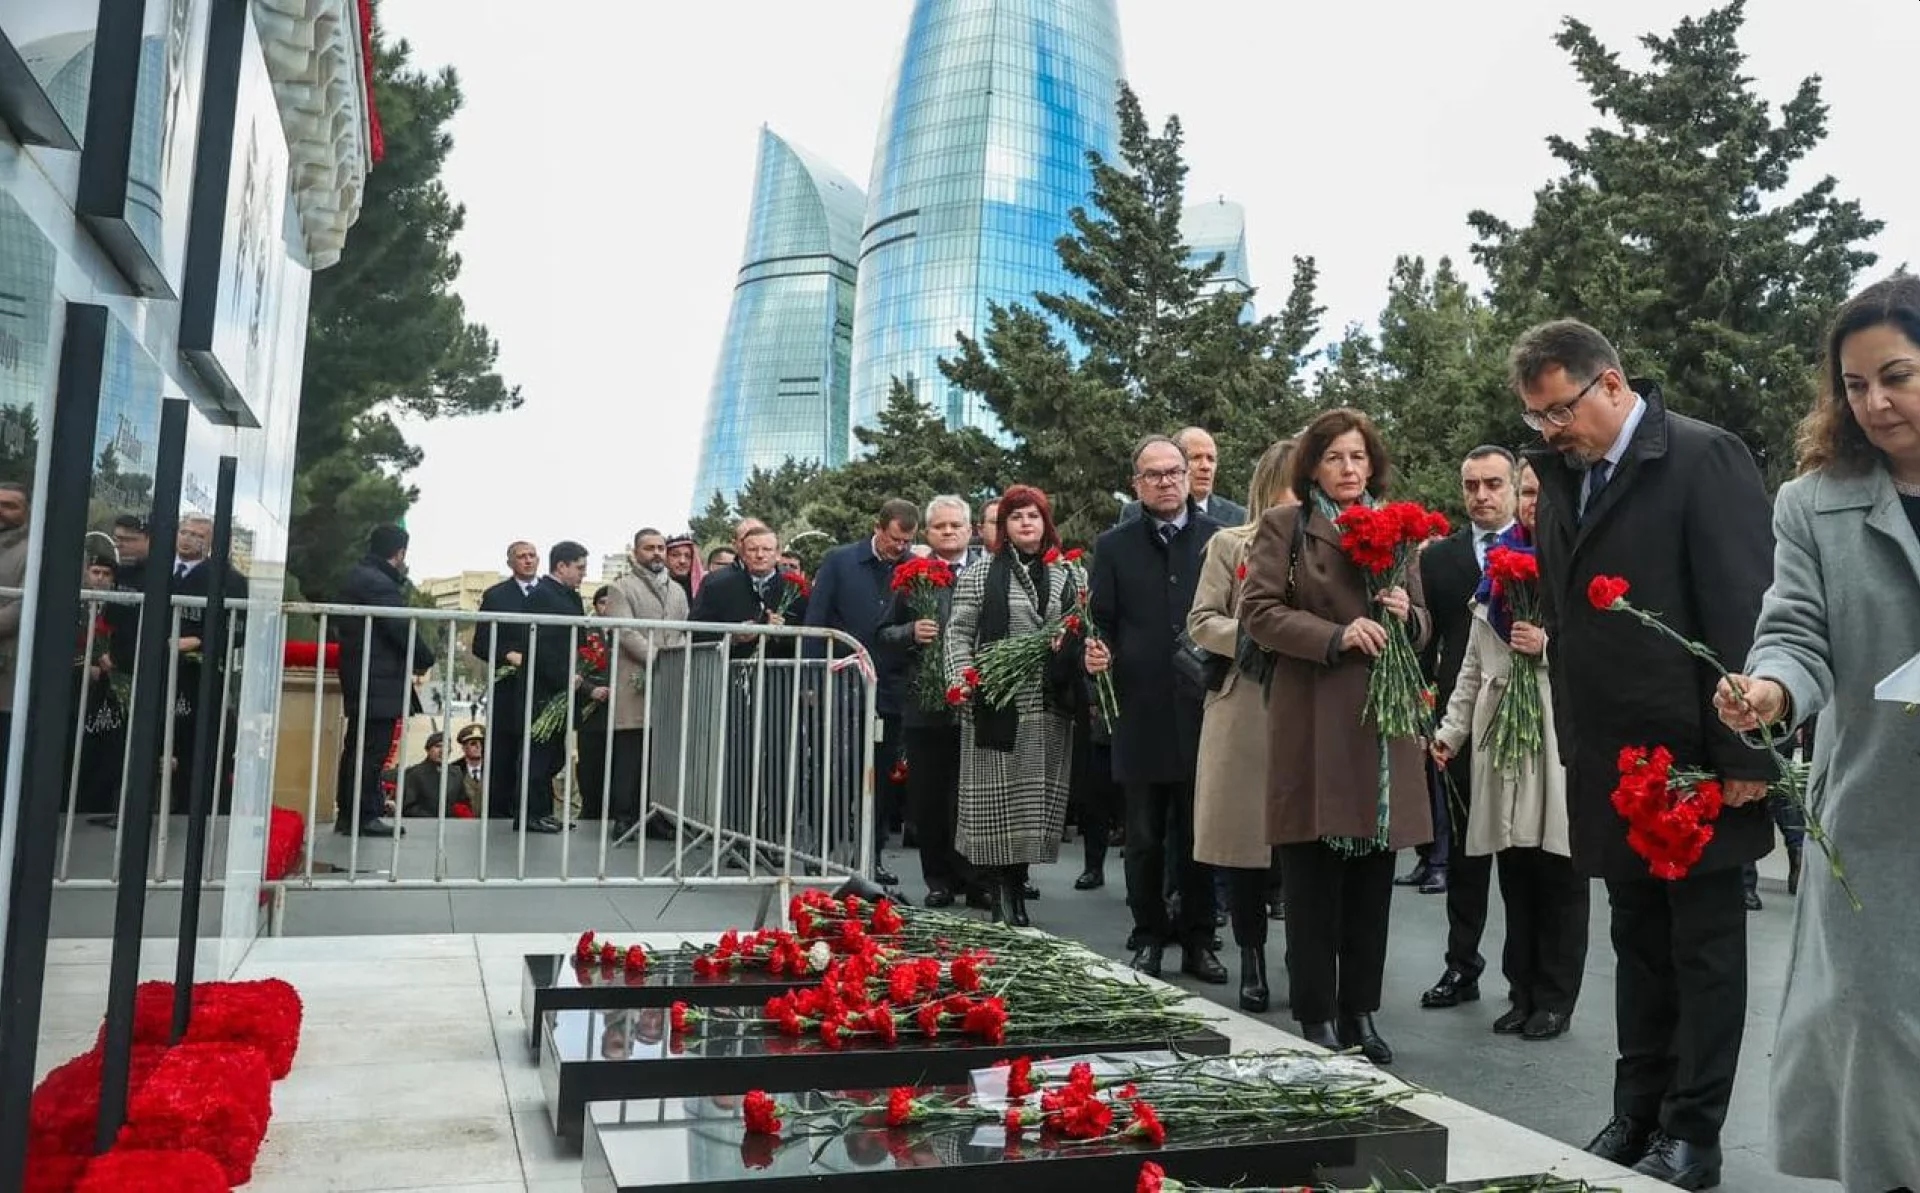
{"x":1794,"y":793}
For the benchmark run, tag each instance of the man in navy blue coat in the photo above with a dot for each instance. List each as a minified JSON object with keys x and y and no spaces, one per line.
{"x":853,"y":593}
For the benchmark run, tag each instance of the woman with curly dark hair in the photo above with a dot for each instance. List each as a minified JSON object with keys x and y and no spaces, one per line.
{"x":1844,"y":612}
{"x":1015,"y":761}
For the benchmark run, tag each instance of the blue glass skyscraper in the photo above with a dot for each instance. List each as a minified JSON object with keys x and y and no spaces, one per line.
{"x":982,"y":153}
{"x":780,"y":388}
{"x":1219,"y":229}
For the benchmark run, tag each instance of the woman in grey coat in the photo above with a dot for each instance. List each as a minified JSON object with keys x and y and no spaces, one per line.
{"x":1843,"y":612}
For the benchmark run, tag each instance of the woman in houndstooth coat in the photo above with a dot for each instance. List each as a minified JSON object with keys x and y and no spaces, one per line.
{"x":1015,"y":762}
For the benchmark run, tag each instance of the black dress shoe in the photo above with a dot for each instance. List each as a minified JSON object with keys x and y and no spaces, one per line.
{"x":1148,"y":958}
{"x":1513,"y":1022}
{"x":1201,"y":963}
{"x":1030,"y":891}
{"x":979,"y":900}
{"x":1357,"y":1031}
{"x":1681,"y":1164}
{"x":1751,"y":900}
{"x":1090,"y":880}
{"x":1253,"y":980}
{"x":1623,"y":1140}
{"x":884,"y":876}
{"x":1321,"y":1035}
{"x":1416,"y":876}
{"x":1545,"y":1025}
{"x":939,"y":898}
{"x":542,"y":824}
{"x":1436,"y":883}
{"x":1451,"y":990}
{"x":1013,"y":903}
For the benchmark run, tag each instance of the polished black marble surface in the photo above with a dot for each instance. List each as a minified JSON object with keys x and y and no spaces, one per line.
{"x":555,"y":982}
{"x":699,"y":1144}
{"x":600,"y":1055}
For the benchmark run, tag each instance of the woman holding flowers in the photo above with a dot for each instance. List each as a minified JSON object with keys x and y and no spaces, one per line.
{"x":1519,"y":811}
{"x":1015,"y":757}
{"x":1229,"y":795}
{"x":1341,"y":797}
{"x":1844,"y":612}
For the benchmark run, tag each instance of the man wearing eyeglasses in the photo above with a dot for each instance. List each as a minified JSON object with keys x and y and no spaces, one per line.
{"x":1677,"y":508}
{"x":1144,"y":573}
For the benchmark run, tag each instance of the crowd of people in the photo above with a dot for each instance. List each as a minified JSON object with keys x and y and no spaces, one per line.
{"x":1195,"y":691}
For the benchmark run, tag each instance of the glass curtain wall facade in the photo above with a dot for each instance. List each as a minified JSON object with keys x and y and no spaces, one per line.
{"x":1219,"y":228}
{"x":780,"y":388}
{"x":982,"y":153}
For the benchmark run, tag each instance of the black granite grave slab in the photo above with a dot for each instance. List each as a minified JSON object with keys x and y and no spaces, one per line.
{"x":554,"y":982}
{"x":699,"y":1145}
{"x":600,"y":1055}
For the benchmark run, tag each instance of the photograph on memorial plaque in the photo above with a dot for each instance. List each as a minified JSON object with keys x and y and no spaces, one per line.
{"x":1024,"y":1125}
{"x":230,"y":334}
{"x":52,"y":44}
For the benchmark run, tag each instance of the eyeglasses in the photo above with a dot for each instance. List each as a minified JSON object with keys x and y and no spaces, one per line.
{"x":1160,"y":476}
{"x":1562,"y":414}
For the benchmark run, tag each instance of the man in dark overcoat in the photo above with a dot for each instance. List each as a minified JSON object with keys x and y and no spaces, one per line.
{"x":555,"y":672}
{"x":377,"y":647}
{"x":1143,"y":578}
{"x":1677,"y":509}
{"x":502,"y":645}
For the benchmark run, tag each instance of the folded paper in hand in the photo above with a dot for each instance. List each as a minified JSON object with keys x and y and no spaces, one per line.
{"x":1903,"y":686}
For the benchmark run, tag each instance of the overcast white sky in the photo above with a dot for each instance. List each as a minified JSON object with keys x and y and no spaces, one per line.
{"x":606,"y":150}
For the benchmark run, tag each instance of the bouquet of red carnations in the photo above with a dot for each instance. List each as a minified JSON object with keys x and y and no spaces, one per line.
{"x":1009,"y":665}
{"x":1381,"y":541}
{"x":920,"y":582}
{"x":590,"y":666}
{"x":1517,"y":732}
{"x":793,"y":586}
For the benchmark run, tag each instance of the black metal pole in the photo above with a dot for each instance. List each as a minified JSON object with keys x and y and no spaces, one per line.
{"x":52,"y":688}
{"x":144,"y":738}
{"x":211,"y":701}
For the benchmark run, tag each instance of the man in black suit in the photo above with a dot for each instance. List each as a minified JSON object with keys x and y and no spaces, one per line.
{"x":1677,"y":508}
{"x":753,"y":591}
{"x":377,"y":647}
{"x":502,"y":645}
{"x":553,"y":673}
{"x":1450,"y":572}
{"x":192,"y":577}
{"x":1203,"y":461}
{"x":1144,"y":573}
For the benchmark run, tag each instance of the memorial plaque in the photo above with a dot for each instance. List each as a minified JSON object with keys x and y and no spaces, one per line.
{"x":699,"y":1144}
{"x":554,"y":982}
{"x":601,"y":1055}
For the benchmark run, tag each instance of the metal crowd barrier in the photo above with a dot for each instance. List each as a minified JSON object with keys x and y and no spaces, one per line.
{"x":755,"y":769}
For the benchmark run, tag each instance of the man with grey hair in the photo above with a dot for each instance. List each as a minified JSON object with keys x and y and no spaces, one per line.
{"x":192,"y":577}
{"x":929,"y":731}
{"x":1203,"y":463}
{"x":1629,"y":488}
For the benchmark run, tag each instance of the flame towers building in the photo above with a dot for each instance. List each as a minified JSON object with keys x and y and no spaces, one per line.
{"x":982,"y":153}
{"x":780,"y":388}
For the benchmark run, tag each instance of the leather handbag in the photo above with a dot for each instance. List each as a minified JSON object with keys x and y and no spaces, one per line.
{"x":1197,"y":665}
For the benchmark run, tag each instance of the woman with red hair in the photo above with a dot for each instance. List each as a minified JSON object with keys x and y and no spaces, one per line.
{"x":1015,"y":761}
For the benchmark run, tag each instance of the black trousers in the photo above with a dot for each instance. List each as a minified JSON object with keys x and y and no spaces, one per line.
{"x":623,"y":784}
{"x":1680,"y":976}
{"x":933,"y":803}
{"x":1159,"y":821}
{"x":506,"y":747}
{"x":1338,"y":910}
{"x":1099,"y":801}
{"x":590,"y":773}
{"x":1247,"y":904}
{"x":363,"y":752}
{"x":1469,"y":879}
{"x":1547,"y":905}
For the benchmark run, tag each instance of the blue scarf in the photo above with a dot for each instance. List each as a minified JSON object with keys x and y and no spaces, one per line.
{"x":1499,"y":609}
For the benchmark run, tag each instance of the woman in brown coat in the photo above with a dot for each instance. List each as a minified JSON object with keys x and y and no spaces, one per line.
{"x":1308,"y":604}
{"x":1230,"y":798}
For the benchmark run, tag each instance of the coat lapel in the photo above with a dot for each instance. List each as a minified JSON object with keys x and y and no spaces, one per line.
{"x":1888,"y":517}
{"x":1649,"y":443}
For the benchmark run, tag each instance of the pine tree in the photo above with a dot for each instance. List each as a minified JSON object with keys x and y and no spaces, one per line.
{"x":1675,"y":232}
{"x":714,"y":525}
{"x":909,"y":453}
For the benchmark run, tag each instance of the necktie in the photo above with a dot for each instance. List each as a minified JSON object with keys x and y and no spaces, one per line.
{"x":180,"y":571}
{"x":1167,"y":531}
{"x":1486,"y":544}
{"x":1596,"y":481}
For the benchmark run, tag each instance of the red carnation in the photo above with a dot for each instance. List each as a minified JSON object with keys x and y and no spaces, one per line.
{"x":1146,"y":1124}
{"x":609,"y":953}
{"x":899,"y":1106}
{"x":1014,"y":1122}
{"x":956,"y":696}
{"x":1153,"y":1178}
{"x":761,"y":1114}
{"x":587,"y":949}
{"x":636,"y":959}
{"x":1240,"y":573}
{"x":1604,"y":592}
